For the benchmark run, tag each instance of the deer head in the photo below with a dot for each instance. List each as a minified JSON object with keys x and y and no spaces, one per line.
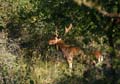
{"x":57,"y":40}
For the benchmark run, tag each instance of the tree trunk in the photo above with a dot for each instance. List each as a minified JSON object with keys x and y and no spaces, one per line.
{"x":111,"y":70}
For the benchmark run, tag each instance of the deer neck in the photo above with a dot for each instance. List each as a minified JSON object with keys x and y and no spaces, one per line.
{"x":63,"y":46}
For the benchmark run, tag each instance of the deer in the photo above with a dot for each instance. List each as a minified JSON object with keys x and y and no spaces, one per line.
{"x":69,"y":52}
{"x":98,"y":55}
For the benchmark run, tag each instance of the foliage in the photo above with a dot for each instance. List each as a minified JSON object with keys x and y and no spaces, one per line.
{"x":29,"y":24}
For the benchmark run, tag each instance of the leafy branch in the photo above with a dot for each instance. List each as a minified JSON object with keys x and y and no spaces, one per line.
{"x":99,"y":8}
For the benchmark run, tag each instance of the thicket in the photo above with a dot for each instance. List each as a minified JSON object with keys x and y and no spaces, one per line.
{"x":26,"y":57}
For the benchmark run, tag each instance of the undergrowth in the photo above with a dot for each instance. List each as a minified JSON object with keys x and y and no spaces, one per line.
{"x":37,"y":71}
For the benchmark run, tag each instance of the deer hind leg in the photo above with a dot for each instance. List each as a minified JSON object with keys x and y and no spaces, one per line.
{"x":100,"y":59}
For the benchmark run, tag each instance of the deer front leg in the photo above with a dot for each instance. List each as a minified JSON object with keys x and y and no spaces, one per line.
{"x":70,"y":61}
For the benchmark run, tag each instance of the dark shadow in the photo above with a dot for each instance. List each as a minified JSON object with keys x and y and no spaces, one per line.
{"x":92,"y":75}
{"x":75,"y":79}
{"x":67,"y":79}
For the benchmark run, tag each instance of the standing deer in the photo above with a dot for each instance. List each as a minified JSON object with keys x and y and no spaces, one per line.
{"x":68,"y":51}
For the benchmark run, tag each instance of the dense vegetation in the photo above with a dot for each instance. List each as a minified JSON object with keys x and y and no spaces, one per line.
{"x":27,"y":25}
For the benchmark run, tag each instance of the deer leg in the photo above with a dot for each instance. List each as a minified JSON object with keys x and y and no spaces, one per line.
{"x":100,"y":59}
{"x":70,"y":60}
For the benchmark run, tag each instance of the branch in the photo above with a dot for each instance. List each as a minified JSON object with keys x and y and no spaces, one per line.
{"x":99,"y":8}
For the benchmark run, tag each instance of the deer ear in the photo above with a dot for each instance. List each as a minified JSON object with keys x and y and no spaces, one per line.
{"x":56,"y":38}
{"x":59,"y":39}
